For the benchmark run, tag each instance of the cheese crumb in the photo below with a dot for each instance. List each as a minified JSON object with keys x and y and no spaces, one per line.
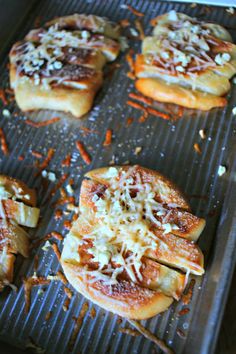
{"x":230,"y":10}
{"x":172,"y":15}
{"x":222,"y":58}
{"x":6,"y":113}
{"x":49,"y":175}
{"x":123,"y":43}
{"x":137,"y":150}
{"x":202,"y":134}
{"x":85,"y":34}
{"x":221,"y":170}
{"x":111,"y":173}
{"x":234,"y":111}
{"x":69,"y":189}
{"x":57,"y":65}
{"x":40,"y":292}
{"x":44,"y":173}
{"x":165,"y":55}
{"x":179,"y":68}
{"x":46,"y":246}
{"x":134,"y":32}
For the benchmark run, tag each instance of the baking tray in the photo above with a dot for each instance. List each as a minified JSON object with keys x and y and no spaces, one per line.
{"x":166,"y":146}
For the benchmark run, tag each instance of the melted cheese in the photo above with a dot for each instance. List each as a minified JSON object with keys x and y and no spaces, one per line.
{"x":182,"y":42}
{"x":121,"y":232}
{"x":47,"y":53}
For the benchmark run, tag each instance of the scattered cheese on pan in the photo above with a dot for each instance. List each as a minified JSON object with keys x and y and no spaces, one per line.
{"x":230,"y":10}
{"x":137,"y":150}
{"x":202,"y":134}
{"x":234,"y":111}
{"x":221,"y":170}
{"x":46,"y":246}
{"x":134,"y":32}
{"x":49,"y":175}
{"x":6,"y":113}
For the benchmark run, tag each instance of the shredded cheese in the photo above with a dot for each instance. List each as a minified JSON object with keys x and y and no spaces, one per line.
{"x":31,"y":57}
{"x":121,"y":233}
{"x":184,"y":46}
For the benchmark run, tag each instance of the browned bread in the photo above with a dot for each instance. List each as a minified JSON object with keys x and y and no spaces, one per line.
{"x":17,"y":206}
{"x":186,"y":62}
{"x":19,"y":190}
{"x":91,"y":23}
{"x":134,"y":226}
{"x":59,"y":66}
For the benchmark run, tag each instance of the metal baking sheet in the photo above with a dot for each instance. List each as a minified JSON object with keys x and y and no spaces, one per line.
{"x":167,"y":147}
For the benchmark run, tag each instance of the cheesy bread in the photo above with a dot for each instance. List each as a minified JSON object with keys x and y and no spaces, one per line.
{"x":133,"y":245}
{"x":60,"y":66}
{"x":186,"y":62}
{"x":17,"y":207}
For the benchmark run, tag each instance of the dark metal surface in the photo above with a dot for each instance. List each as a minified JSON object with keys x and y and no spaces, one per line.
{"x":167,"y":147}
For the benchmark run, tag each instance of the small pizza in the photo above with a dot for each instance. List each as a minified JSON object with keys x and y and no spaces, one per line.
{"x":17,"y":207}
{"x":186,"y":62}
{"x":60,"y":66}
{"x":134,"y":243}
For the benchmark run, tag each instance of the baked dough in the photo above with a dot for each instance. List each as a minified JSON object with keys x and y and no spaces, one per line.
{"x":186,"y":62}
{"x":17,"y":207}
{"x":135,"y":229}
{"x":60,"y":66}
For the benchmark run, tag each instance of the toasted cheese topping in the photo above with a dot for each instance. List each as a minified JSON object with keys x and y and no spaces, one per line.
{"x":46,"y":53}
{"x":121,"y":233}
{"x":185,"y":47}
{"x":6,"y":194}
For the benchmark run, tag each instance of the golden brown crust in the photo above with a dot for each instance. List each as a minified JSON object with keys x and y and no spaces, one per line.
{"x":156,"y":276}
{"x":179,"y":253}
{"x":20,"y":213}
{"x":137,"y":293}
{"x":30,"y":97}
{"x":91,"y":23}
{"x":189,"y":225}
{"x":172,"y":192}
{"x":186,"y":62}
{"x":125,"y":299}
{"x":60,"y":67}
{"x":217,"y":30}
{"x":170,"y":93}
{"x":205,"y":81}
